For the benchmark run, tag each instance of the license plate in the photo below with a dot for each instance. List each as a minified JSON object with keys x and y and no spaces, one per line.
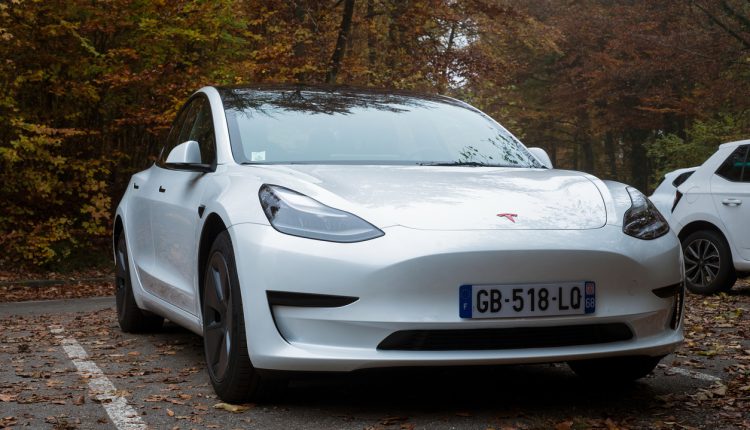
{"x":527,"y":300}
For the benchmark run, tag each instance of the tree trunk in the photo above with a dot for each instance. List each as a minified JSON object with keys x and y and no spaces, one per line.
{"x":611,"y":150}
{"x":371,"y":40}
{"x":583,"y":139}
{"x":444,"y":82}
{"x":639,"y":160}
{"x":395,"y":33}
{"x":340,"y":49}
{"x":298,"y":49}
{"x":587,"y":147}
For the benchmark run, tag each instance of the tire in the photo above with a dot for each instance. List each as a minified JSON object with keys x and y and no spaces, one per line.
{"x":131,"y":318}
{"x":232,"y":374}
{"x":708,"y":263}
{"x":614,"y":369}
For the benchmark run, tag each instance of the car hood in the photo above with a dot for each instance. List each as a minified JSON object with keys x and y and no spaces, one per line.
{"x":450,"y":198}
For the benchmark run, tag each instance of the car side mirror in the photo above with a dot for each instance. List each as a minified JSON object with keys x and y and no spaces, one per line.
{"x":187,"y":156}
{"x":541,"y":155}
{"x":187,"y":152}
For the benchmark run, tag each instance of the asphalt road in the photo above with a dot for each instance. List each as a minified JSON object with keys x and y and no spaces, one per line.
{"x":159,"y":381}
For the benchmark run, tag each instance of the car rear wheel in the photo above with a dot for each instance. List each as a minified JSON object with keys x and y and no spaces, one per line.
{"x":614,"y":369}
{"x":131,"y":318}
{"x":232,"y":374}
{"x":708,"y":263}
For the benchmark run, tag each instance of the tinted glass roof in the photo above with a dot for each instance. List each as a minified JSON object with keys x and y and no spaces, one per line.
{"x":325,"y":99}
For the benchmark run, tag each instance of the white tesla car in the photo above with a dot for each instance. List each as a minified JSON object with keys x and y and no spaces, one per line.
{"x":711,"y":215}
{"x":323,"y":229}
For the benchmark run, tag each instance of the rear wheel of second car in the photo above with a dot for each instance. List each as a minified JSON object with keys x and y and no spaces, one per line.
{"x":232,"y":374}
{"x":708,"y":263}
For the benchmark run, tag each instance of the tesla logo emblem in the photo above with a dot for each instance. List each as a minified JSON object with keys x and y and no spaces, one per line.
{"x":511,"y":217}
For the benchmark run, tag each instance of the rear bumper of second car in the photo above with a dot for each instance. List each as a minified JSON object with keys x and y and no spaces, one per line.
{"x":408,"y":280}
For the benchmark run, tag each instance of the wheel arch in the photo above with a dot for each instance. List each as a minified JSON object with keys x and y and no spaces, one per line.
{"x":213,"y":226}
{"x":701,"y":225}
{"x":694,"y":226}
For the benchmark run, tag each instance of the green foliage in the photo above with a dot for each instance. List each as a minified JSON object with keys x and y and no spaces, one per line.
{"x":85,"y":92}
{"x":669,"y":152}
{"x":54,"y":199}
{"x":721,"y":129}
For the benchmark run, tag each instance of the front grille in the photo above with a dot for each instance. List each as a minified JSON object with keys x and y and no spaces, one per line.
{"x":505,"y":338}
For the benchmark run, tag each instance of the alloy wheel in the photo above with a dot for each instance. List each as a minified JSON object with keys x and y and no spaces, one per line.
{"x":702,"y":262}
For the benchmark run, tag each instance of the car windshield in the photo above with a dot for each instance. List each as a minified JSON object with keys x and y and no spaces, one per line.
{"x":364,"y":127}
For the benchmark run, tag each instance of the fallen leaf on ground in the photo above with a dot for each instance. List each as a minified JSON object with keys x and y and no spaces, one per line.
{"x":8,"y":421}
{"x":719,"y":390}
{"x":233,"y":408}
{"x":611,"y":425}
{"x":389,"y":421}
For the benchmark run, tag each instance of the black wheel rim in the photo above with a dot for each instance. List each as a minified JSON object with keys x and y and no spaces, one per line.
{"x":121,"y":277}
{"x":702,"y":262}
{"x":217,"y":316}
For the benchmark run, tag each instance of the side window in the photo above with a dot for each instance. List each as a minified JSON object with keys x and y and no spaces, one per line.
{"x":180,"y":128}
{"x":203,"y":133}
{"x":679,"y":180}
{"x":733,"y":166}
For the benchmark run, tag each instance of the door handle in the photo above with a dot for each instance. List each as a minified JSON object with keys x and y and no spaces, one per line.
{"x":731,"y":202}
{"x":136,"y":186}
{"x":162,"y":189}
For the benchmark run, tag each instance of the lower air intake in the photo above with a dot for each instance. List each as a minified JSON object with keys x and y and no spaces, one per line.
{"x":505,"y":338}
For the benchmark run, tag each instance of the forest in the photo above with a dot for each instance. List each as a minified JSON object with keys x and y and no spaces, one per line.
{"x":623,"y":89}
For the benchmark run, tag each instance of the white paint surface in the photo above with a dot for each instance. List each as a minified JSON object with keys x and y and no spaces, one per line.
{"x":123,"y":416}
{"x":692,"y":374}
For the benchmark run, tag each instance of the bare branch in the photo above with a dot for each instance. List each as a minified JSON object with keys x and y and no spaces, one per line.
{"x":726,"y":28}
{"x":745,"y":21}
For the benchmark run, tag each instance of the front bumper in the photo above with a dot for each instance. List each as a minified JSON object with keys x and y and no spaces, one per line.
{"x":409,"y":280}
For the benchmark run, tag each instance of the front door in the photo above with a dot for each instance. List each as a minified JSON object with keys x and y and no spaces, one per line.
{"x":730,"y":187}
{"x":175,"y":216}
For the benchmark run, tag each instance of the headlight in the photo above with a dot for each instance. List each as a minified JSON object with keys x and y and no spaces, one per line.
{"x":298,"y":215}
{"x":643,"y":220}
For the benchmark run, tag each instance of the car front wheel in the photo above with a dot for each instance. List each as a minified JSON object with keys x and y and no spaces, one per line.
{"x":232,"y":375}
{"x":708,"y":263}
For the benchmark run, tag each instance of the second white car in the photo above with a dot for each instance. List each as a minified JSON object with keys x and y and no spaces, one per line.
{"x":711,"y":215}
